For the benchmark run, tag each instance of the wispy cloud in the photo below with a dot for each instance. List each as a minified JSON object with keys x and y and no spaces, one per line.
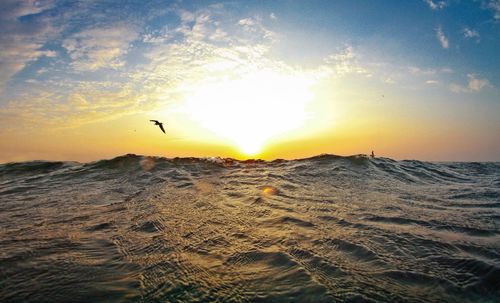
{"x":474,"y":84}
{"x":248,"y":23}
{"x":21,"y":43}
{"x":206,"y":49}
{"x":218,"y":35}
{"x":389,"y":80}
{"x":197,"y":47}
{"x":442,"y":38}
{"x":161,"y":35}
{"x":428,"y":71}
{"x":436,"y":5}
{"x":493,"y":5}
{"x":85,"y":104}
{"x":346,"y":62}
{"x":201,"y":51}
{"x":96,"y":48}
{"x":471,"y":34}
{"x":255,"y":25}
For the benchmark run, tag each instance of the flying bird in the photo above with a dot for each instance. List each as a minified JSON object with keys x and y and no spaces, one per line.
{"x":159,"y":124}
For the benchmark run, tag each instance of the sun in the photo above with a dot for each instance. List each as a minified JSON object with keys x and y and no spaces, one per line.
{"x":252,"y":109}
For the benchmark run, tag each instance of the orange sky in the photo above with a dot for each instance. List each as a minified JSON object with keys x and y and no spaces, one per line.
{"x":267,"y":82}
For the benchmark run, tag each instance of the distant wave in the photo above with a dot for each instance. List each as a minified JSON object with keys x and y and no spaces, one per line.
{"x":405,"y":170}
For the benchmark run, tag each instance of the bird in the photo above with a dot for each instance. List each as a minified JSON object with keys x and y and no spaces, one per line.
{"x":159,"y":124}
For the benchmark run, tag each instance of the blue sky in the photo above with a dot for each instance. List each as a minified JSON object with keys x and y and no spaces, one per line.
{"x":81,"y":62}
{"x":402,"y":32}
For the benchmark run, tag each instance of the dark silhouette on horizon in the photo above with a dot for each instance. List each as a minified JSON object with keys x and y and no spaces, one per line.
{"x":159,"y":124}
{"x":372,"y":155}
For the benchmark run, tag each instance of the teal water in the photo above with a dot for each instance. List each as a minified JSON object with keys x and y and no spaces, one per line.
{"x":322,"y":229}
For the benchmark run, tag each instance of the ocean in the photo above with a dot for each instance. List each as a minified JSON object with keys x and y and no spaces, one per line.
{"x":321,"y":229}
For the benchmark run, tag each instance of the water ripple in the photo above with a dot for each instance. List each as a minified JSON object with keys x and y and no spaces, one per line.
{"x":322,"y":229}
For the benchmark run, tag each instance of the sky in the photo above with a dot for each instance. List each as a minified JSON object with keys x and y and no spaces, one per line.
{"x":80,"y":80}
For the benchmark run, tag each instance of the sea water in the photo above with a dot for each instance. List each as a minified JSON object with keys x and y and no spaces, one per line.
{"x":322,"y":229}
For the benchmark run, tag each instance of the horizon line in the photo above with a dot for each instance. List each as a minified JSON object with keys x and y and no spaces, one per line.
{"x":249,"y":159}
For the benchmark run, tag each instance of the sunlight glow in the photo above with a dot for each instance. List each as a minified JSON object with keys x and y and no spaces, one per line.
{"x":251,"y":110}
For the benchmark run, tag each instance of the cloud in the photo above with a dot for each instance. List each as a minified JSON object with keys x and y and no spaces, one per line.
{"x":442,"y":38}
{"x":255,"y":25}
{"x":206,"y":51}
{"x":85,"y":104}
{"x":218,"y":35}
{"x":247,"y":23}
{"x":346,"y":62}
{"x":493,"y":5}
{"x":200,"y":51}
{"x":158,"y":36}
{"x":272,"y":16}
{"x":99,"y":47}
{"x":201,"y":25}
{"x":186,"y":16}
{"x":471,"y":34}
{"x":437,"y":5}
{"x":417,"y":71}
{"x":389,"y":80}
{"x":474,"y":85}
{"x":431,"y":82}
{"x":21,"y":42}
{"x":204,"y":46}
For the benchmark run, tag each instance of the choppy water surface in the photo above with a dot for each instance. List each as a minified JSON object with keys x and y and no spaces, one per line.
{"x":323,"y":229}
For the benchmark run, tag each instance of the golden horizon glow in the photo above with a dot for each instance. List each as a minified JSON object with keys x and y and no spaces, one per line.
{"x":249,"y":111}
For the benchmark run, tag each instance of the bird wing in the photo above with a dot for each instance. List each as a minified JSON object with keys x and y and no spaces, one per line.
{"x":155,"y":121}
{"x":162,"y":129}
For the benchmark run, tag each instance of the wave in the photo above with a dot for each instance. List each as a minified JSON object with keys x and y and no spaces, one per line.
{"x":321,"y":229}
{"x":405,"y":170}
